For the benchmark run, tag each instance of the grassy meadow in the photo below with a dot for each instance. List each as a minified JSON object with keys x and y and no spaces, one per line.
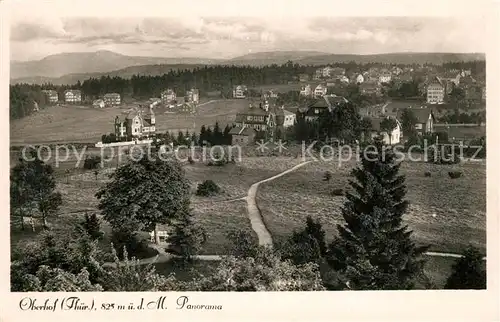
{"x":218,"y":214}
{"x":447,"y":214}
{"x":74,"y":123}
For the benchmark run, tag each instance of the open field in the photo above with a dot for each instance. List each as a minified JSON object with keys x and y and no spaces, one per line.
{"x":81,"y":123}
{"x":458,"y":131}
{"x":219,"y":214}
{"x":459,"y":205}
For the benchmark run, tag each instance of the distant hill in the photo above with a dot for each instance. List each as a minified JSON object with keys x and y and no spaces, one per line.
{"x":94,"y":62}
{"x":392,"y":58}
{"x":82,"y":66}
{"x":128,"y":72}
{"x":272,"y":57}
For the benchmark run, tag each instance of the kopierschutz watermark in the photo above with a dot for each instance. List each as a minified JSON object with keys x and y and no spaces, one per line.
{"x":316,"y":151}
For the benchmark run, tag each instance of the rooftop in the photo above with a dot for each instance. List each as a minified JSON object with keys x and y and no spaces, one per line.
{"x":245,"y":130}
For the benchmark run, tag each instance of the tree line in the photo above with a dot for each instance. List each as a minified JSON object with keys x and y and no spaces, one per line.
{"x":219,"y":79}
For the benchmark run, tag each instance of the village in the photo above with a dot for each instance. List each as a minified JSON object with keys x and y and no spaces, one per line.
{"x":264,"y":194}
{"x":434,"y":95}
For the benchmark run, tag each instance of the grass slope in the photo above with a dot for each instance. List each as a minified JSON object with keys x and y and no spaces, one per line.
{"x":459,"y":205}
{"x":82,"y":123}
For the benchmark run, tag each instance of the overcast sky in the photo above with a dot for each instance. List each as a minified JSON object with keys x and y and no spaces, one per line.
{"x":35,"y":37}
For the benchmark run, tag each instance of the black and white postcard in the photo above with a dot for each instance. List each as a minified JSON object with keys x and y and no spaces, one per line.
{"x":265,"y":160}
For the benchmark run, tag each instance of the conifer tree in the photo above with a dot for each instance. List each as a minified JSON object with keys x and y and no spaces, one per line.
{"x":203,"y":135}
{"x":188,"y":236}
{"x":217,"y":135}
{"x":226,"y":135}
{"x":92,"y":226}
{"x":468,"y":272}
{"x":209,"y":136}
{"x":374,"y":250}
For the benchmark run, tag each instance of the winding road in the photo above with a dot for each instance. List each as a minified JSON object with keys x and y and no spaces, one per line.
{"x":254,"y":214}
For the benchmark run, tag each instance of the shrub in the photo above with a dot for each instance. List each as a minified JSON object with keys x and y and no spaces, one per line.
{"x":207,"y":188}
{"x":243,"y":244}
{"x":427,"y":174}
{"x":219,"y":162}
{"x":455,"y":174}
{"x":92,"y":226}
{"x":136,"y":245}
{"x":338,"y":192}
{"x":92,"y":162}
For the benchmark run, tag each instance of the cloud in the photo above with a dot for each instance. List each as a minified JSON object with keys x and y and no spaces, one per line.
{"x":32,"y":31}
{"x":232,"y":36}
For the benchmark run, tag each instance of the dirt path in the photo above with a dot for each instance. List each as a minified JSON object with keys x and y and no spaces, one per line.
{"x":254,"y":212}
{"x":439,"y":254}
{"x":258,"y":226}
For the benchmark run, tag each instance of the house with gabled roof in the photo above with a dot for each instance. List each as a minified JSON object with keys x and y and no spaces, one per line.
{"x":242,"y":135}
{"x":425,"y":119}
{"x":320,"y":90}
{"x":254,"y":116}
{"x":112,"y":99}
{"x":168,"y":97}
{"x":193,"y":95}
{"x":325,"y":103}
{"x":52,"y":95}
{"x":137,"y":123}
{"x":394,"y":137}
{"x":240,"y":91}
{"x":436,"y":91}
{"x":98,"y":103}
{"x":305,"y":90}
{"x":452,"y":76}
{"x":72,"y":96}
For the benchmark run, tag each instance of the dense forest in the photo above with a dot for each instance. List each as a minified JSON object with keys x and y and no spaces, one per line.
{"x":206,"y":79}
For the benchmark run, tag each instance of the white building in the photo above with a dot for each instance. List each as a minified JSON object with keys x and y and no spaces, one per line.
{"x":320,"y":90}
{"x":289,"y":119}
{"x":240,"y":91}
{"x":154,"y":101}
{"x":193,"y":96}
{"x":344,"y":79}
{"x":388,"y":138}
{"x":168,"y":96}
{"x":52,"y":95}
{"x":384,"y":78}
{"x":99,"y":103}
{"x":72,"y":96}
{"x":306,"y":90}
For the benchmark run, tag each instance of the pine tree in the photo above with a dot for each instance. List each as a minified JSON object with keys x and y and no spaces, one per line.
{"x":217,"y":135}
{"x":188,"y":236}
{"x":92,"y":226}
{"x":374,"y":250}
{"x":307,"y":245}
{"x":226,"y":136}
{"x":203,"y":135}
{"x":181,"y":140}
{"x":468,"y":272}
{"x":209,"y":136}
{"x":194,"y":138}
